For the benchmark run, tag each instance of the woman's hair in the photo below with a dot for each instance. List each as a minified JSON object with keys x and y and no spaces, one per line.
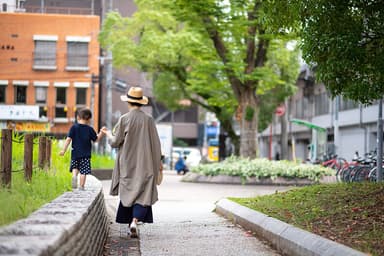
{"x":135,"y":104}
{"x":84,"y":113}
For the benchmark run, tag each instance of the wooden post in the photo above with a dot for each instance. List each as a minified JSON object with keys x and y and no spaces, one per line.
{"x":48,"y":153}
{"x":42,"y":151}
{"x":6,"y":157}
{"x":28,"y":156}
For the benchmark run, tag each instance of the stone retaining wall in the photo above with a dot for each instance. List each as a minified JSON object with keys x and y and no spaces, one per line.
{"x":76,"y":223}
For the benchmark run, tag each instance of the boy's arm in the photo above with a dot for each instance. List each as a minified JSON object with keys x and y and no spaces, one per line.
{"x":66,"y":144}
{"x":101,"y":134}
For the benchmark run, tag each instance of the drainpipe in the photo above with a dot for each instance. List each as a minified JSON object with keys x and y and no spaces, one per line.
{"x":42,"y":6}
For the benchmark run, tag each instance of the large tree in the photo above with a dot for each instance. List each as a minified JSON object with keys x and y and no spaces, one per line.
{"x":219,"y":54}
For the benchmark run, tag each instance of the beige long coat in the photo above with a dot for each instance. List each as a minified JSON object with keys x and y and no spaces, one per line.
{"x":138,"y":159}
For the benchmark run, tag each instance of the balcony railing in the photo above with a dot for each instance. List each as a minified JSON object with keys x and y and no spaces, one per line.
{"x":62,"y":10}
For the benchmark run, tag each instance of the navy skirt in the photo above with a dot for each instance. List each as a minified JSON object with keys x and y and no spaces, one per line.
{"x":126,"y":214}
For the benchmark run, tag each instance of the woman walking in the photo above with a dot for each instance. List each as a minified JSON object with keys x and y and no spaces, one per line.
{"x":138,"y":162}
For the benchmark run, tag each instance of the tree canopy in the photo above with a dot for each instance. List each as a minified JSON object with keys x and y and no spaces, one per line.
{"x":222,"y":55}
{"x":344,"y":41}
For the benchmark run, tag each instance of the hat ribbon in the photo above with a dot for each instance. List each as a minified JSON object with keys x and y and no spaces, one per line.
{"x":135,"y":98}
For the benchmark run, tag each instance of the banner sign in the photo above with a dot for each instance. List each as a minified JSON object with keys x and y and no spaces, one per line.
{"x":32,"y":127}
{"x":19,"y":112}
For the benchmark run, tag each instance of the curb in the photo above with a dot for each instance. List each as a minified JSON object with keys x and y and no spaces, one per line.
{"x":287,"y":239}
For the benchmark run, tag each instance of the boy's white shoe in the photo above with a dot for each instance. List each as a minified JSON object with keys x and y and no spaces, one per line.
{"x":74,"y":182}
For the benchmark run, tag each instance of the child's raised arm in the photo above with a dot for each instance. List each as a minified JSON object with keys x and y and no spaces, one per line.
{"x":66,"y":144}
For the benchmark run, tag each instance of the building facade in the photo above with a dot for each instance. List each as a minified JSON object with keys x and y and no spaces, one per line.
{"x":349,"y":126}
{"x":47,"y":62}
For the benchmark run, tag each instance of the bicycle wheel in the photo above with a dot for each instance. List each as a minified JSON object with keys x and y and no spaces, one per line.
{"x":340,"y":173}
{"x":347,"y":173}
{"x":372,"y":176}
{"x":361,"y":174}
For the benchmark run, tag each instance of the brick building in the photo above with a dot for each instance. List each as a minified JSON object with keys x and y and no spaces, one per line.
{"x":47,"y":62}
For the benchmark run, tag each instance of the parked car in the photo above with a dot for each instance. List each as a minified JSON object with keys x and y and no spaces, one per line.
{"x":193,"y":155}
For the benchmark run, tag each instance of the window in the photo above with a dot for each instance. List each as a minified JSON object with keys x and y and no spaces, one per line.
{"x":41,"y":95}
{"x":321,"y":104}
{"x":61,"y":100}
{"x":44,"y":56}
{"x":302,"y":108}
{"x":21,"y":4}
{"x":81,"y":96}
{"x":346,"y":104}
{"x":4,"y":7}
{"x":3,"y":90}
{"x":77,"y":56}
{"x":20,"y":94}
{"x":41,"y":100}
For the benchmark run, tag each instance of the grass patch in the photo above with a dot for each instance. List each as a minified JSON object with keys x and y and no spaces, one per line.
{"x":102,"y":161}
{"x":348,"y":213}
{"x":23,"y":198}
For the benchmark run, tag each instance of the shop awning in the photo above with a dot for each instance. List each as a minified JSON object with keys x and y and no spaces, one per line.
{"x":308,"y":124}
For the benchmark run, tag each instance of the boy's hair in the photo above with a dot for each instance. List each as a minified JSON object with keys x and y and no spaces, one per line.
{"x":84,"y":113}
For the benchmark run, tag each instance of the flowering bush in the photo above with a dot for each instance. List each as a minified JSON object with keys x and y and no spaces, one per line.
{"x":263,"y":168}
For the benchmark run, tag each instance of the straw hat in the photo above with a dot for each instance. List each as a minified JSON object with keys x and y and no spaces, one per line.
{"x":135,"y":94}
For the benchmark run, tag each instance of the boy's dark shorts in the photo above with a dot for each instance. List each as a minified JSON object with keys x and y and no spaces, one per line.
{"x":81,"y":164}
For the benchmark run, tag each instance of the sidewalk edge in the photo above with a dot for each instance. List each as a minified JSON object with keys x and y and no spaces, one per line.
{"x":287,"y":239}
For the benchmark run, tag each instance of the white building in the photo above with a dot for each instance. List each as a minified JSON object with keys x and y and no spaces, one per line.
{"x":350,"y":127}
{"x":12,"y":5}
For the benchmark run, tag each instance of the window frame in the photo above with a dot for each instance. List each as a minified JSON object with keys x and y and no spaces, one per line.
{"x":63,"y":105}
{"x":47,"y":52}
{"x":3,"y":87}
{"x":43,"y":108}
{"x":20,"y":84}
{"x":82,"y":58}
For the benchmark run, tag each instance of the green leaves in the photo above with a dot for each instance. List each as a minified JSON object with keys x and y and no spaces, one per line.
{"x":210,"y":52}
{"x":344,"y":40}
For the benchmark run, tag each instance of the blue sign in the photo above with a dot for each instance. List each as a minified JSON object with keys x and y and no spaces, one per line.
{"x":211,"y":131}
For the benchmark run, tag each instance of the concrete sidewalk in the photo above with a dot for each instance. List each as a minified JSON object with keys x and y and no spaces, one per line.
{"x":185,"y":223}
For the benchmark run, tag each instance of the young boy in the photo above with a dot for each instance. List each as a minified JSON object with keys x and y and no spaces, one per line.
{"x":81,"y":135}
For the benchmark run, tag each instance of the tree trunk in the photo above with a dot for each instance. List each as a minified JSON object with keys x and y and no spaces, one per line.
{"x":249,"y":120}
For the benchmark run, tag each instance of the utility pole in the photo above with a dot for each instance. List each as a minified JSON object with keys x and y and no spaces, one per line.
{"x":380,"y":143}
{"x":94,"y":80}
{"x":108,"y":84}
{"x":336,"y":124}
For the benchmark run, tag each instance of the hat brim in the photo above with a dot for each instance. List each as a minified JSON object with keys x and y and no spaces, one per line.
{"x":143,"y":101}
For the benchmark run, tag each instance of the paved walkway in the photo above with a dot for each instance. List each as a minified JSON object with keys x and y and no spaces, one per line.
{"x":184,"y":223}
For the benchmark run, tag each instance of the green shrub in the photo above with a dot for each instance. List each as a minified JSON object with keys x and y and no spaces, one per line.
{"x":263,"y":168}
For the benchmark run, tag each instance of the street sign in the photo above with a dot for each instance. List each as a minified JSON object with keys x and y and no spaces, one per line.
{"x":280,"y":110}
